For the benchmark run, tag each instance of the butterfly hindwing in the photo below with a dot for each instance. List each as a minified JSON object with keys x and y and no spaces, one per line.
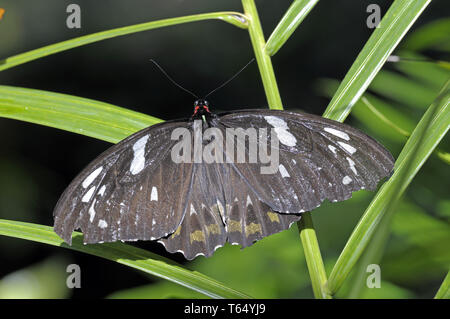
{"x":202,"y":230}
{"x":248,"y":219}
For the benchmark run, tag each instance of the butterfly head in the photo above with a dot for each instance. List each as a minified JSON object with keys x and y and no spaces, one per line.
{"x":201,"y":107}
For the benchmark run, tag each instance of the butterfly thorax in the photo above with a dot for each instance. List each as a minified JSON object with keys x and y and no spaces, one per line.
{"x":201,"y":111}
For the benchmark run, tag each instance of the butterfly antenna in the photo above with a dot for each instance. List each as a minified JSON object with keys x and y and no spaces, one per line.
{"x":230,"y":79}
{"x":172,"y":80}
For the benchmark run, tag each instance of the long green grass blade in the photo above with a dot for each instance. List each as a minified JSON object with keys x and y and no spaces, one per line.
{"x":426,"y":136}
{"x":296,"y":13}
{"x":124,"y":254}
{"x":313,"y":257}
{"x":67,"y":112}
{"x":372,"y":255}
{"x":394,"y":25}
{"x":444,"y":290}
{"x":234,"y":18}
{"x":262,"y":58}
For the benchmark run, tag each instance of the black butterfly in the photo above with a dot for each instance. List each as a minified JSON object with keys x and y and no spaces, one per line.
{"x":136,"y":191}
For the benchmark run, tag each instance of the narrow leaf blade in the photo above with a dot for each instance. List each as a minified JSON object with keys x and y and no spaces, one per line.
{"x":296,"y":13}
{"x":71,"y":113}
{"x":394,"y":25}
{"x":234,"y":18}
{"x":124,"y":254}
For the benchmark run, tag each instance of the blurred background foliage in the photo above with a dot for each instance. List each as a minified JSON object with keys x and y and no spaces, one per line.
{"x":37,"y":162}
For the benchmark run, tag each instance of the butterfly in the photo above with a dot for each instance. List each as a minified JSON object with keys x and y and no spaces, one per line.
{"x":150,"y":186}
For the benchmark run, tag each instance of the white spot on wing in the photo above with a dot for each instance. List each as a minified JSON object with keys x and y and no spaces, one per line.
{"x":352,"y":165}
{"x":102,"y":223}
{"x":92,"y":211}
{"x":283,"y":171}
{"x":285,"y":137}
{"x":275,"y":121}
{"x":102,"y":190}
{"x":332,"y":148}
{"x":88,"y":180}
{"x":281,"y":129}
{"x":346,"y":180}
{"x":138,"y":162}
{"x":193,"y":211}
{"x":337,"y":133}
{"x":87,"y":197}
{"x":154,"y":195}
{"x":249,"y":201}
{"x":347,"y":147}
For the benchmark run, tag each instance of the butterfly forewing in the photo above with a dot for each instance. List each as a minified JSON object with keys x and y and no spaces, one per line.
{"x":120,"y":195}
{"x":318,"y":159}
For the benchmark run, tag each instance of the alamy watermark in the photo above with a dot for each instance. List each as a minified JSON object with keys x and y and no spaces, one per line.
{"x":74,"y":279}
{"x":373,"y":20}
{"x":73,"y":20}
{"x":374,"y":279}
{"x":211,"y":146}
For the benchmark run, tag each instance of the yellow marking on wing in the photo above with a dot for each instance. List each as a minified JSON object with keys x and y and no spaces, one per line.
{"x":213,"y":229}
{"x":234,"y":225}
{"x":273,"y":217}
{"x":2,"y":12}
{"x":197,"y":236}
{"x":177,"y":232}
{"x":252,"y":228}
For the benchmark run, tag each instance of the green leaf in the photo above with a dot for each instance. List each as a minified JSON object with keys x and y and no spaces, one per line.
{"x":389,"y":122}
{"x":67,"y":112}
{"x":397,"y":21}
{"x":372,"y":255}
{"x":401,"y":89}
{"x":235,"y":18}
{"x":431,"y":35}
{"x":296,"y":13}
{"x":124,"y":254}
{"x":444,"y":290}
{"x":422,"y":142}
